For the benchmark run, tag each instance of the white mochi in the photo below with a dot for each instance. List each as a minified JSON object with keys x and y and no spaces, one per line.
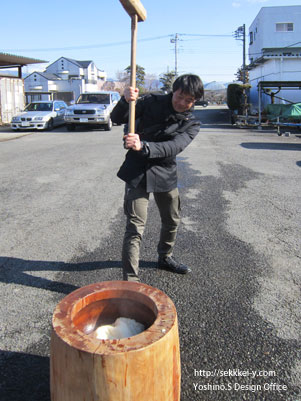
{"x":121,"y":328}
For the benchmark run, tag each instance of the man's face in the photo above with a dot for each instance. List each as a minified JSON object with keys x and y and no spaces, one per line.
{"x":182,"y":101}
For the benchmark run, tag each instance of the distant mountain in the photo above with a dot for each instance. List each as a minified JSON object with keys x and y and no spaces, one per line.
{"x":215,"y":86}
{"x":9,"y":73}
{"x":12,"y":73}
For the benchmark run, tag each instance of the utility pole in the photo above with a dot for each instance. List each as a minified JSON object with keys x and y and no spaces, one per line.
{"x":244,"y":54}
{"x":240,"y":34}
{"x":175,"y":41}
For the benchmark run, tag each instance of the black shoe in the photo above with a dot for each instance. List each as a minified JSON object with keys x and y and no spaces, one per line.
{"x":168,"y":263}
{"x":131,"y":277}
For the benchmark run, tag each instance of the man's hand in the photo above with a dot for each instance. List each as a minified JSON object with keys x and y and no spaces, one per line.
{"x":131,"y":94}
{"x":132,"y":141}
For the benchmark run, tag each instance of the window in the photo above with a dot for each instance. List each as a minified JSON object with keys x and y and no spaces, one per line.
{"x":251,"y":38}
{"x":284,"y":27}
{"x":100,"y":98}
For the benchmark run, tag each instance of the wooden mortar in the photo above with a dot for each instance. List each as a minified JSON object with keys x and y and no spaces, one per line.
{"x":145,"y":367}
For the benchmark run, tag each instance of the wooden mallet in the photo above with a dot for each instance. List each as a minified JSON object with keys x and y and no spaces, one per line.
{"x":137,"y":13}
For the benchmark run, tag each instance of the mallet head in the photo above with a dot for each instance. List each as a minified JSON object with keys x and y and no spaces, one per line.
{"x":134,"y":7}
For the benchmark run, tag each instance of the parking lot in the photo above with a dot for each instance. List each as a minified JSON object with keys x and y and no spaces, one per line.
{"x":239,"y":310}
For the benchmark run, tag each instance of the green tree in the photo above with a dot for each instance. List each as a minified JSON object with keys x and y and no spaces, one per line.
{"x":167,"y":81}
{"x":140,"y":77}
{"x":242,"y":75}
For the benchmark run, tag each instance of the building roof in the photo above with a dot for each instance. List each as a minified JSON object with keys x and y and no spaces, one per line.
{"x":49,"y":76}
{"x":78,"y":63}
{"x":46,"y":75}
{"x":83,"y":64}
{"x":11,"y":60}
{"x":280,"y":84}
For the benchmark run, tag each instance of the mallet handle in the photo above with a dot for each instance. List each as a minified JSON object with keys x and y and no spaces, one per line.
{"x":134,"y":19}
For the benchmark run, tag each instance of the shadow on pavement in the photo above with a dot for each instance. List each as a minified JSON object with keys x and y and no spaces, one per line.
{"x":24,"y":377}
{"x":218,"y":126}
{"x":271,"y":146}
{"x":17,"y":271}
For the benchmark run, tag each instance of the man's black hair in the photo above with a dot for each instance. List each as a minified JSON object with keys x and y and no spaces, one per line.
{"x":189,"y":84}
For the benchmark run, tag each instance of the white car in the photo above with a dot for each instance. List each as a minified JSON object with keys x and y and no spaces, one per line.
{"x":92,"y":109}
{"x":40,"y":115}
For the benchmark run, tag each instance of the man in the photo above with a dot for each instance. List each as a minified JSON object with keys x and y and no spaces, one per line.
{"x":164,"y":127}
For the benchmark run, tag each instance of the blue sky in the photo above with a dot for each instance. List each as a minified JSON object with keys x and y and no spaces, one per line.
{"x":99,"y":30}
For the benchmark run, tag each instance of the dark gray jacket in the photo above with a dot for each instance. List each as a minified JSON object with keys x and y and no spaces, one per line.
{"x":167,"y":133}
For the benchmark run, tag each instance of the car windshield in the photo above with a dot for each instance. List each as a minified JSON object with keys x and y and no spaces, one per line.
{"x":100,"y":98}
{"x":39,"y":107}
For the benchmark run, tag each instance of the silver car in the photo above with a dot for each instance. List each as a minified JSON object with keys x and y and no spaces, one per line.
{"x":40,"y":115}
{"x":92,"y":109}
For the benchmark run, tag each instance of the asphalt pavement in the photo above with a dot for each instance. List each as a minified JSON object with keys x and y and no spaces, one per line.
{"x":7,"y":134}
{"x":239,"y":310}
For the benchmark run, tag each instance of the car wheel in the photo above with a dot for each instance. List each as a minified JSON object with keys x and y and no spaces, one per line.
{"x":70,"y":127}
{"x":108,"y":126}
{"x":50,"y":125}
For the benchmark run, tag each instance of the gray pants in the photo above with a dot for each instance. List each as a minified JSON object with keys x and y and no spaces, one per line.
{"x":135,"y":208}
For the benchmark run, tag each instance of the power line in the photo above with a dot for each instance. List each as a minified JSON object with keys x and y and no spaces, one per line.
{"x":50,"y":49}
{"x":99,"y":45}
{"x":176,"y":37}
{"x":206,"y":35}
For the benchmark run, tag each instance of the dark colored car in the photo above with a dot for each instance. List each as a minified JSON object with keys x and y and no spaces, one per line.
{"x":201,"y":102}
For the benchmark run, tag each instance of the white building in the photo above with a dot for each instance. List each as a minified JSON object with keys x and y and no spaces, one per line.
{"x":275,"y":52}
{"x":64,"y":79}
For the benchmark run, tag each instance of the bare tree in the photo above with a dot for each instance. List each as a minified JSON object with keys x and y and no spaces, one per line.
{"x":123,"y":76}
{"x":152,"y":83}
